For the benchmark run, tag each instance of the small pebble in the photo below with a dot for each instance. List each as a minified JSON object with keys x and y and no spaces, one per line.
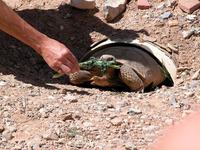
{"x":61,"y":27}
{"x":166,"y":15}
{"x":172,"y":47}
{"x":161,"y":5}
{"x":50,"y":135}
{"x":173,"y":23}
{"x":67,"y":116}
{"x":150,"y":129}
{"x":186,"y":106}
{"x":17,"y":147}
{"x":12,"y":128}
{"x":191,"y":17}
{"x":169,"y":121}
{"x":70,"y":98}
{"x":148,"y":38}
{"x":190,"y":94}
{"x":174,"y":102}
{"x":188,"y":34}
{"x":196,"y":75}
{"x":130,"y":146}
{"x":2,"y":83}
{"x":83,"y":4}
{"x":1,"y":128}
{"x":134,"y":111}
{"x":44,"y":112}
{"x":116,"y":121}
{"x":61,"y":141}
{"x":196,"y":31}
{"x":7,"y":135}
{"x":87,"y":124}
{"x":77,"y":144}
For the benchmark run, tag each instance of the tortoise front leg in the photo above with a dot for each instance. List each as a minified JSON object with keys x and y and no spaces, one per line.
{"x":102,"y":81}
{"x":129,"y":76}
{"x":80,"y":77}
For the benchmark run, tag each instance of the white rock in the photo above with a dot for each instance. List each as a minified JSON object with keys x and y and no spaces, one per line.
{"x":172,"y":47}
{"x":13,"y":4}
{"x":161,"y":5}
{"x":35,"y":142}
{"x":188,"y":34}
{"x":44,"y":113}
{"x":88,"y":124}
{"x":50,"y":135}
{"x":83,"y":4}
{"x":150,"y":129}
{"x":130,"y":146}
{"x":61,"y":141}
{"x":79,"y":143}
{"x":2,"y":83}
{"x":12,"y":128}
{"x":196,"y":75}
{"x":191,"y":17}
{"x":7,"y":135}
{"x":190,"y":94}
{"x":1,"y":128}
{"x":113,"y":8}
{"x":17,"y":147}
{"x":70,"y":98}
{"x":169,"y":121}
{"x":116,"y":121}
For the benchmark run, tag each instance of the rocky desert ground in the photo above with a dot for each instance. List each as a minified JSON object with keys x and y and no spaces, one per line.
{"x":41,"y":113}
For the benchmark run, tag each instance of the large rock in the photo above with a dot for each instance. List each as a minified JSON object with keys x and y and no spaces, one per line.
{"x":189,"y":6}
{"x":13,"y":3}
{"x":83,"y":4}
{"x":143,"y":4}
{"x":113,"y":8}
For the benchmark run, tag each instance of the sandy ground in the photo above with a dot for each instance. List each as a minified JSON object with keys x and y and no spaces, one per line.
{"x":38,"y":112}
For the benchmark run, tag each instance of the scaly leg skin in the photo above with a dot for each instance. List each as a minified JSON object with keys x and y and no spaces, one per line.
{"x":80,"y":77}
{"x":130,"y":78}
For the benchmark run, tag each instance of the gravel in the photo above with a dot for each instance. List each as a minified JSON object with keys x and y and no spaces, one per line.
{"x":38,"y":112}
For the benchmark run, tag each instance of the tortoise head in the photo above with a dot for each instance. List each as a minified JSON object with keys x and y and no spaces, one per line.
{"x":108,"y":57}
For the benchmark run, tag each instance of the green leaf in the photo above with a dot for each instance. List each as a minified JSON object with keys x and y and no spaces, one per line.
{"x":57,"y":75}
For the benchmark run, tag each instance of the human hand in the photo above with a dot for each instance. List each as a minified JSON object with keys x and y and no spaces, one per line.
{"x":58,"y":57}
{"x":184,"y":135}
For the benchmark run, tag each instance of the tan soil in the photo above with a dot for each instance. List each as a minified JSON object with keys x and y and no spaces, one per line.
{"x":35,"y":104}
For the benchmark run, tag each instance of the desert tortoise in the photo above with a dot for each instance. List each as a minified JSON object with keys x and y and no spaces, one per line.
{"x":123,"y":63}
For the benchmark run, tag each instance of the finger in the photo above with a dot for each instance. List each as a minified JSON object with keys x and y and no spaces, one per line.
{"x":68,"y":63}
{"x":75,"y":64}
{"x":74,"y":61}
{"x":65,"y":69}
{"x":56,"y":67}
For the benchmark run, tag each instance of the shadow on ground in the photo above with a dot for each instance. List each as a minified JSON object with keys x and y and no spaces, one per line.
{"x":65,"y":24}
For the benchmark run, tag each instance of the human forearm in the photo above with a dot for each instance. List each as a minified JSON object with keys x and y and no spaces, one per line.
{"x":12,"y":24}
{"x":57,"y":55}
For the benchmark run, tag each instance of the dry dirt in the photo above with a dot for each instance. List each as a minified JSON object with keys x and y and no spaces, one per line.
{"x":38,"y":112}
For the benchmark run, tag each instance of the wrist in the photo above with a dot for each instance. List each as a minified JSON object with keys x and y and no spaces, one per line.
{"x":39,"y":43}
